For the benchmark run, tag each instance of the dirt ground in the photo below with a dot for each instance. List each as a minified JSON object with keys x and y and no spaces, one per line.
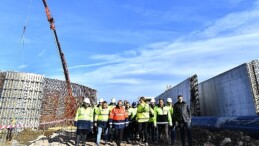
{"x":66,"y":137}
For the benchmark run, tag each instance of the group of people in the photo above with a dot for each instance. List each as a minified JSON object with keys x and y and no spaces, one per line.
{"x":143,"y":122}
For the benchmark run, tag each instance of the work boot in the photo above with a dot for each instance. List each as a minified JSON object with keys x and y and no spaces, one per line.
{"x":77,"y":140}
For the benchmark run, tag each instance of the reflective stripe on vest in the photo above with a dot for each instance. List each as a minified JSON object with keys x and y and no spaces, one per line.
{"x":84,"y":114}
{"x":103,"y":114}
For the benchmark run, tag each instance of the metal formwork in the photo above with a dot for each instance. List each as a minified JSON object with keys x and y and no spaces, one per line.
{"x":53,"y":102}
{"x":253,"y":70}
{"x":21,"y":97}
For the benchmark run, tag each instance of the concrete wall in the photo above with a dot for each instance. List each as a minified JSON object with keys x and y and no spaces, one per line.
{"x":182,"y":88}
{"x":21,"y":96}
{"x":189,"y":90}
{"x":232,"y":93}
{"x":33,"y":100}
{"x":228,"y":94}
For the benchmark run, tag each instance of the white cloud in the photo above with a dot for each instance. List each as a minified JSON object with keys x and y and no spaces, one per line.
{"x":23,"y":66}
{"x":234,"y":23}
{"x":42,"y":52}
{"x":226,"y":43}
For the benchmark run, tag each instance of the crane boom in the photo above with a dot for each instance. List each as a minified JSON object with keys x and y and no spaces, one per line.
{"x":70,"y":101}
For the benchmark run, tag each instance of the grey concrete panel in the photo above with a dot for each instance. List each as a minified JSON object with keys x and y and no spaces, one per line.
{"x":228,"y":94}
{"x":181,"y":89}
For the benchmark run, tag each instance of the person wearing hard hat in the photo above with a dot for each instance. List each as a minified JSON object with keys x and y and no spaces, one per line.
{"x":151,"y":128}
{"x":83,"y":121}
{"x":9,"y":135}
{"x":127,"y":129}
{"x":102,"y":119}
{"x":142,"y":119}
{"x":132,"y":111}
{"x":100,"y":103}
{"x":118,"y":119}
{"x":96,"y":107}
{"x":162,"y":120}
{"x":171,"y":109}
{"x":112,"y":104}
{"x":110,"y":107}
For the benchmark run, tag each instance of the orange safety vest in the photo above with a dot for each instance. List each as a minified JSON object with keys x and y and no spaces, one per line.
{"x":118,"y":117}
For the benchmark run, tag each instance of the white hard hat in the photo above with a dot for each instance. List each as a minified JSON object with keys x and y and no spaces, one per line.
{"x":101,"y":100}
{"x":113,"y":100}
{"x":86,"y":100}
{"x":152,"y":100}
{"x":169,"y":100}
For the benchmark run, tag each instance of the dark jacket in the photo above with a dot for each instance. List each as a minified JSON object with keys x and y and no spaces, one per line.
{"x":182,"y":112}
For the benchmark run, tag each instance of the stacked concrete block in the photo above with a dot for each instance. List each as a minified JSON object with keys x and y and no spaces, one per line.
{"x":21,"y":96}
{"x":32,"y":100}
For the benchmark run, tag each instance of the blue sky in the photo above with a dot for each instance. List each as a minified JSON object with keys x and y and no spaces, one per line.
{"x":130,"y":48}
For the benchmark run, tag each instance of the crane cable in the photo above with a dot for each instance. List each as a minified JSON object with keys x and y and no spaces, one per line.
{"x":24,"y":29}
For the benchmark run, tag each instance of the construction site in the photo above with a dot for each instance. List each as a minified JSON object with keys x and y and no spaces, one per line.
{"x":40,"y":111}
{"x":219,"y":109}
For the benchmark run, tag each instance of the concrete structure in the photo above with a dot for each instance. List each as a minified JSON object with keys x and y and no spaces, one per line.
{"x":32,"y":100}
{"x":189,"y":90}
{"x":21,"y":95}
{"x":232,"y":93}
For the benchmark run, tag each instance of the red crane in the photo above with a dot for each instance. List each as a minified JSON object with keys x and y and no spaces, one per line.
{"x":69,"y":101}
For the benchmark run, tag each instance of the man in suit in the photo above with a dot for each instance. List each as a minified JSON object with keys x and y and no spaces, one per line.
{"x":182,"y":116}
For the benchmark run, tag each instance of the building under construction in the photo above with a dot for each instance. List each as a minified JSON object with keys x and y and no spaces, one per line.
{"x":33,"y":101}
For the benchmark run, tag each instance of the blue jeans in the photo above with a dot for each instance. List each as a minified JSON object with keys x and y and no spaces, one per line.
{"x":100,"y":133}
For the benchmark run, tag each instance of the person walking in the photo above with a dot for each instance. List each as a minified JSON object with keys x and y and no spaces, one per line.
{"x":182,"y":116}
{"x":151,"y":127}
{"x":118,"y":119}
{"x":169,"y":104}
{"x":142,"y":119}
{"x":127,"y":131}
{"x":102,"y":119}
{"x":132,"y":122}
{"x":96,"y":108}
{"x":112,"y":104}
{"x":111,"y":130}
{"x":9,"y":135}
{"x":162,"y":120}
{"x":83,"y":121}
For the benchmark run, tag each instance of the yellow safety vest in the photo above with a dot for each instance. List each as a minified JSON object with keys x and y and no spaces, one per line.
{"x":151,"y":111}
{"x":160,"y":114}
{"x":171,"y":109}
{"x":102,"y":114}
{"x":86,"y":114}
{"x":132,"y":113}
{"x":143,"y":113}
{"x":110,"y":107}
